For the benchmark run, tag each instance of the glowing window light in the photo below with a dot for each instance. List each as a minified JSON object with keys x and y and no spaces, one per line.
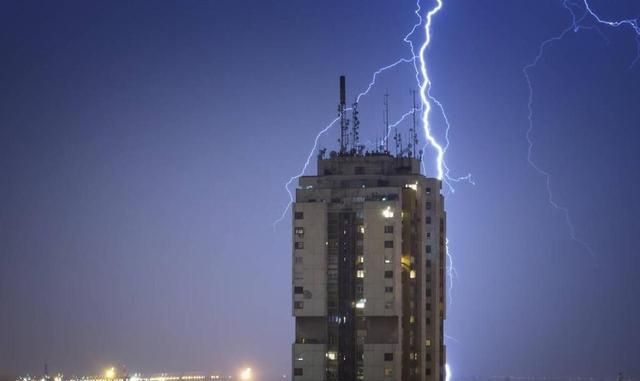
{"x":360,"y":304}
{"x":332,"y":355}
{"x":387,"y":213}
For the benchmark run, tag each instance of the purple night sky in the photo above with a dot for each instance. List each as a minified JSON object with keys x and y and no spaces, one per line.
{"x":144,"y":146}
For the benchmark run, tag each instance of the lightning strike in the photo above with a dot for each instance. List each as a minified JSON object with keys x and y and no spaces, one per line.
{"x":574,"y":26}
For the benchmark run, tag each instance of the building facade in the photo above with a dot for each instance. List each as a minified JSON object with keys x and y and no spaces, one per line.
{"x":369,"y":271}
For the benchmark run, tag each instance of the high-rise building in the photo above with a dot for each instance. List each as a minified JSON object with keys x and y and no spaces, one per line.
{"x":369,"y":266}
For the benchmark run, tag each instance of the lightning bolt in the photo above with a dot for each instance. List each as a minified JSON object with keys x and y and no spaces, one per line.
{"x":574,"y":26}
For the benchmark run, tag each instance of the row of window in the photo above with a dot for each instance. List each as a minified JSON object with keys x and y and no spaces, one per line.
{"x":299,"y":245}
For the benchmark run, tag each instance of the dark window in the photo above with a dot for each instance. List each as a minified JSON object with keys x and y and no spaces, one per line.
{"x":428,"y":205}
{"x":428,"y":357}
{"x":388,"y":244}
{"x":428,"y":321}
{"x":388,"y":357}
{"x":388,"y":289}
{"x":428,"y":292}
{"x":298,"y":290}
{"x":428,"y":306}
{"x":388,"y":229}
{"x":388,"y":274}
{"x":428,"y":220}
{"x":299,"y":245}
{"x":427,"y":277}
{"x":297,"y":371}
{"x":428,"y":234}
{"x":299,"y":231}
{"x":428,"y":190}
{"x":428,"y":262}
{"x":359,"y":170}
{"x":299,"y":215}
{"x":298,"y":305}
{"x":427,"y":371}
{"x":428,"y":249}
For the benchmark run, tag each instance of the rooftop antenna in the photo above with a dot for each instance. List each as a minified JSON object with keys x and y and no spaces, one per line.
{"x":355,"y":127}
{"x":342,"y":112}
{"x":385,"y":135}
{"x":398,"y":139}
{"x":413,"y":146}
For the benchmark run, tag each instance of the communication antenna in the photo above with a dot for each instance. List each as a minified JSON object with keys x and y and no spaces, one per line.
{"x":413,"y":146}
{"x":398,"y":139}
{"x":385,"y":135}
{"x":342,"y":112}
{"x":355,"y":127}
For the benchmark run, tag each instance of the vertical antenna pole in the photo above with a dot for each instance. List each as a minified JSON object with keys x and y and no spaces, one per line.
{"x":386,"y":122}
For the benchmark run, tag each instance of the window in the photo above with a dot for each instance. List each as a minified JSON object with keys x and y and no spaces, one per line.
{"x":428,"y":357}
{"x":427,"y":277}
{"x":388,"y":289}
{"x":428,"y":234}
{"x":360,"y":259}
{"x":428,"y":191}
{"x":332,"y":355}
{"x":360,"y":274}
{"x":428,"y":306}
{"x":388,"y":229}
{"x":298,"y":290}
{"x":388,"y":357}
{"x":428,"y":292}
{"x":359,"y":170}
{"x":387,"y":260}
{"x":428,"y":321}
{"x":299,"y":231}
{"x":298,"y":305}
{"x":388,"y":274}
{"x":299,"y":215}
{"x":388,"y":244}
{"x":299,"y":245}
{"x":387,"y":213}
{"x":412,"y":274}
{"x":428,"y":249}
{"x":428,"y":262}
{"x":388,"y":372}
{"x":388,"y":305}
{"x":297,"y":371}
{"x":427,"y":342}
{"x":428,"y":220}
{"x":428,"y":205}
{"x":298,"y":260}
{"x":427,"y":371}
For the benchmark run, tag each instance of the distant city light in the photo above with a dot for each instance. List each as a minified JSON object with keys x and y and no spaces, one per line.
{"x":246,"y":374}
{"x":110,"y":373}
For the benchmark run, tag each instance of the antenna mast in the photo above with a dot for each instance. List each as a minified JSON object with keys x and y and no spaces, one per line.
{"x":414,"y":129}
{"x":355,"y":127}
{"x":385,"y":135}
{"x":342,"y":112}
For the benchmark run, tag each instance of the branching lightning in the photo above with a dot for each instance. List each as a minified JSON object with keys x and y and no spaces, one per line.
{"x":423,"y":82}
{"x":574,"y":26}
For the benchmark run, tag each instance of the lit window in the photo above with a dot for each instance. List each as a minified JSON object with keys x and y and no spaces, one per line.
{"x":299,"y":231}
{"x":387,"y":213}
{"x":387,"y":260}
{"x":299,"y":245}
{"x":360,"y":258}
{"x":360,"y":274}
{"x":388,"y":229}
{"x":428,"y":191}
{"x":427,"y":342}
{"x":361,"y":229}
{"x":388,"y":372}
{"x":299,"y":215}
{"x":299,"y":358}
{"x":388,"y":244}
{"x":332,"y":355}
{"x":412,"y":186}
{"x":360,"y":303}
{"x":412,"y":274}
{"x":412,"y":319}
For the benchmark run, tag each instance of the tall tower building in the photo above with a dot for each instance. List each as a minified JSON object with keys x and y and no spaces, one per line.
{"x":369,"y":266}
